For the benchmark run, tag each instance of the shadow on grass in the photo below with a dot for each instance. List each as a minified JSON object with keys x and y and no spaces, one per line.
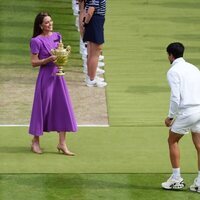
{"x":17,"y":149}
{"x":90,"y":186}
{"x":93,"y":182}
{"x":27,"y":149}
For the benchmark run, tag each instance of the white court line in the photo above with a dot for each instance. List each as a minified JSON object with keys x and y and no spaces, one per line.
{"x":83,"y":125}
{"x":13,"y":125}
{"x":94,"y":125}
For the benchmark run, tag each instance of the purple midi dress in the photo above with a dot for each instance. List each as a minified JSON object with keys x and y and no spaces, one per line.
{"x":52,"y":109}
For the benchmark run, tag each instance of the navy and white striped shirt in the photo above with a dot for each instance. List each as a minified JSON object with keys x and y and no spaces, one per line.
{"x":99,"y":5}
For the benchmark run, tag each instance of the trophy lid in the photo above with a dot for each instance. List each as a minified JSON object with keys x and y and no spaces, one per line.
{"x":60,"y":45}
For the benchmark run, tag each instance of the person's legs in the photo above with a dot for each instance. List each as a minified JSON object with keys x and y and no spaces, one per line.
{"x":195,"y":187}
{"x":93,"y":58}
{"x":174,"y":151}
{"x":62,"y":144}
{"x":196,"y":141}
{"x":35,"y":147}
{"x":92,"y":80}
{"x":175,"y":181}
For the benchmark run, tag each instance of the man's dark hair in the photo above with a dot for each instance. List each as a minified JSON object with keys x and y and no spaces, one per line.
{"x":176,"y":49}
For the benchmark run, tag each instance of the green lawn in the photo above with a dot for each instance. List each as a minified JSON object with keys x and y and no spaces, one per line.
{"x":89,"y":186}
{"x":99,"y":150}
{"x":137,"y":33}
{"x":128,"y":160}
{"x":111,"y":163}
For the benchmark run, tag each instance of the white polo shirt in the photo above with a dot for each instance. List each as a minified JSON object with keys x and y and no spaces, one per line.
{"x":184,"y":81}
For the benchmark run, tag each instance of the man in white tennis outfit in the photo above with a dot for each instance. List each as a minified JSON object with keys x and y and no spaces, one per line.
{"x":184,"y":112}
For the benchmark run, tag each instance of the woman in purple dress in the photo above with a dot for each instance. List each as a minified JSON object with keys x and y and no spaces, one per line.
{"x":52,"y":109}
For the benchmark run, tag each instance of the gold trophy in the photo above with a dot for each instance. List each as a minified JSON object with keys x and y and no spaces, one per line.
{"x":62,"y":57}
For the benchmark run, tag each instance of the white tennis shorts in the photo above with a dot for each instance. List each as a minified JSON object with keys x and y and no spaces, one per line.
{"x":184,"y":124}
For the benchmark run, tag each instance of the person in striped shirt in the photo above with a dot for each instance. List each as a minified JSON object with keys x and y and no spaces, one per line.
{"x":93,"y":34}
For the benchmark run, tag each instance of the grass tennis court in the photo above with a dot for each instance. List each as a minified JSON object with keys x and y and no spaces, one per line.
{"x":129,"y":159}
{"x":89,"y":186}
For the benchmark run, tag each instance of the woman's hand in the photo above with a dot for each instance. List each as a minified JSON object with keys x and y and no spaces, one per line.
{"x":52,"y":58}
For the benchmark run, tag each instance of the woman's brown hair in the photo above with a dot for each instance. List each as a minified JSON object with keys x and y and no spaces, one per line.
{"x":38,"y":21}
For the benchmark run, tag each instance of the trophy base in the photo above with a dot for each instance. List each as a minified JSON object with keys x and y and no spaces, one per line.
{"x":60,"y":73}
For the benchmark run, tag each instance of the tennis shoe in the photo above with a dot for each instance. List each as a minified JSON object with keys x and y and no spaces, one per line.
{"x":97,"y":78}
{"x":84,"y":57}
{"x":173,"y":183}
{"x":100,"y":71}
{"x":101,"y":64}
{"x":95,"y":83}
{"x":101,"y":57}
{"x":195,"y":187}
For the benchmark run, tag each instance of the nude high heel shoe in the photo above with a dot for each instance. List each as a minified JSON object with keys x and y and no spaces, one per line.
{"x":35,"y":148}
{"x":64,"y":150}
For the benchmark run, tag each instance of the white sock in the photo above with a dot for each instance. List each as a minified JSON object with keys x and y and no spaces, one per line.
{"x":198,"y":177}
{"x":176,"y":172}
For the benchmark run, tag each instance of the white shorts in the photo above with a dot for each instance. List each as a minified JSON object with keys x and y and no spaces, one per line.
{"x":184,"y":124}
